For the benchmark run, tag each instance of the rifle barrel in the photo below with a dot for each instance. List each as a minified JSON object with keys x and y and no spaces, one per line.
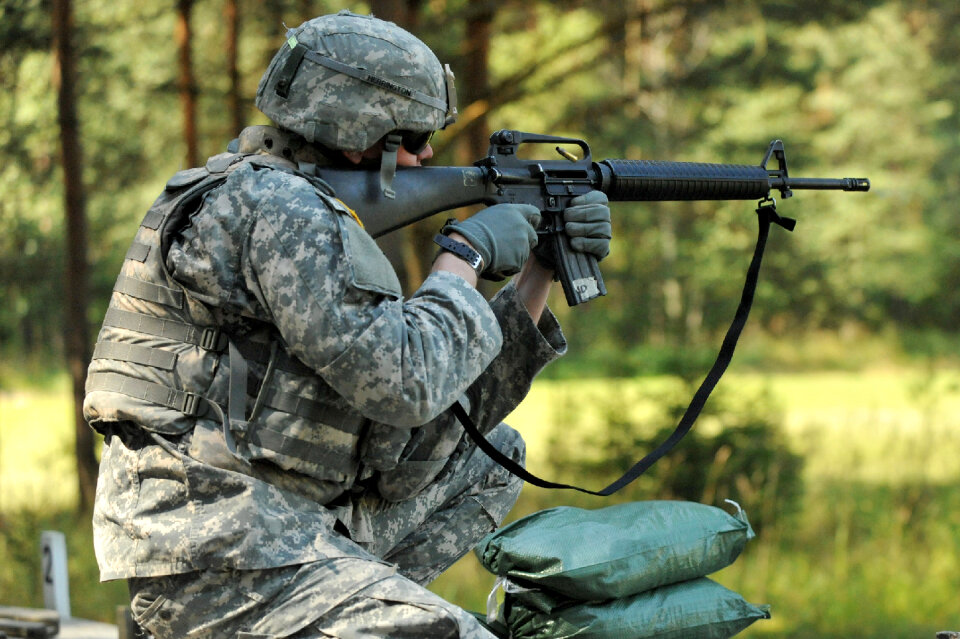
{"x":823,"y":184}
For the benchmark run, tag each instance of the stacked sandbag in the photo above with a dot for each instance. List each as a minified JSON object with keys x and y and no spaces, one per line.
{"x":632,"y":570}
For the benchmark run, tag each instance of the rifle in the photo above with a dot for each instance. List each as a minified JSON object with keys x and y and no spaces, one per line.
{"x":503,"y":176}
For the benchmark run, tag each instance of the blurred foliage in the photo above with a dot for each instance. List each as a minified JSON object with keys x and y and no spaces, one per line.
{"x":738,"y":450}
{"x":858,"y":90}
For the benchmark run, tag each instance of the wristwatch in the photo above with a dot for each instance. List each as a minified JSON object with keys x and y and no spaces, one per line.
{"x":461,"y":250}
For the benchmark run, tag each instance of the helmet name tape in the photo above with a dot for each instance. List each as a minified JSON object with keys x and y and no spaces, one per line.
{"x":389,"y":86}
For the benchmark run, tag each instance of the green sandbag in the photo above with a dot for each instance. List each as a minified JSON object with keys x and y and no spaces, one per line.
{"x":696,"y":609}
{"x":616,"y":551}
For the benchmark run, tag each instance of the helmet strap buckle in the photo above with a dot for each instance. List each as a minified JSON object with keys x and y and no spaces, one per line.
{"x":289,"y":70}
{"x":388,"y":164}
{"x":451,"y":87}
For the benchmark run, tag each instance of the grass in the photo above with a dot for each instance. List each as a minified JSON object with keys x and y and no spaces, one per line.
{"x":873,"y":551}
{"x":36,"y":448}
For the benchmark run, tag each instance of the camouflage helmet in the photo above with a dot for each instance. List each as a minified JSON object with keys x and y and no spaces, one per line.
{"x":346,"y":80}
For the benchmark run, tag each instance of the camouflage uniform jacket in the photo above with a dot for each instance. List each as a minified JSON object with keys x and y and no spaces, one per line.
{"x":268,"y":249}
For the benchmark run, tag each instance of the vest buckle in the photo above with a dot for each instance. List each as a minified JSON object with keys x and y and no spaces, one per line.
{"x":210,"y":339}
{"x":191,"y":404}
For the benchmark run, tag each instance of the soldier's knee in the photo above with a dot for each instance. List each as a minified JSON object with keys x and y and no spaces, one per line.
{"x":510,"y":442}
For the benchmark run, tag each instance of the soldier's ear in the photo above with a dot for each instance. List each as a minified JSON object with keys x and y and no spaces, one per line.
{"x":353,"y":156}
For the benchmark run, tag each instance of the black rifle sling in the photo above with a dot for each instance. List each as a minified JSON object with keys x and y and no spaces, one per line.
{"x":767,"y":214}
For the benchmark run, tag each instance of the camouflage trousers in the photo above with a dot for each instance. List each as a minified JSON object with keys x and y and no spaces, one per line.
{"x":378,"y":591}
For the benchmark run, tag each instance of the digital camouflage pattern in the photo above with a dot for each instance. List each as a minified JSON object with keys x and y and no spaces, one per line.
{"x":374,"y":589}
{"x":343,"y":112}
{"x":268,"y":249}
{"x":167,"y":348}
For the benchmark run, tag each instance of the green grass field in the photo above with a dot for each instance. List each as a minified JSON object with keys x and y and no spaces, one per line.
{"x":873,"y":552}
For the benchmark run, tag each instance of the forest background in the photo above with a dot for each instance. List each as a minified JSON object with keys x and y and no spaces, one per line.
{"x":837,"y":427}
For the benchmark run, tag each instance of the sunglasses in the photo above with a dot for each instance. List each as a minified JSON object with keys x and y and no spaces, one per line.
{"x":415,"y":142}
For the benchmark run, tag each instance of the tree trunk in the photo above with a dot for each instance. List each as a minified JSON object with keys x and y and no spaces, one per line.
{"x":645,"y":64}
{"x":403,"y":13}
{"x":232,"y":18}
{"x":391,"y":10}
{"x":476,"y":78}
{"x":75,"y":279}
{"x":187,"y":84}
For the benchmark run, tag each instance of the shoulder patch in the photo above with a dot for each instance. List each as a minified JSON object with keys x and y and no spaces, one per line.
{"x":343,"y":208}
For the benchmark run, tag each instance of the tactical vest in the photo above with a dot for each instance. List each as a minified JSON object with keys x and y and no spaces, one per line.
{"x":161,"y":360}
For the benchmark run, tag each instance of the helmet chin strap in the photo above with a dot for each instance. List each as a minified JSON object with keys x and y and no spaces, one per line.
{"x":388,"y":164}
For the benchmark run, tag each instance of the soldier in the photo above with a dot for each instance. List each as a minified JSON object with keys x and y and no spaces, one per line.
{"x":279,"y":459}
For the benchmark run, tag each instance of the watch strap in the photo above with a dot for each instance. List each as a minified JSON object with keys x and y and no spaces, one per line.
{"x":461,"y":250}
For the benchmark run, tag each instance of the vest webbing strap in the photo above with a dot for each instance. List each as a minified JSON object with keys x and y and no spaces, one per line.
{"x":187,"y":403}
{"x":260,"y":352}
{"x":260,"y":435}
{"x":195,"y":405}
{"x":299,"y":448}
{"x":207,"y":338}
{"x":138,"y":252}
{"x":275,"y":399}
{"x":152,"y":220}
{"x":767,"y":214}
{"x":313,"y":410}
{"x":288,"y":402}
{"x":136,"y":354}
{"x":149,"y":291}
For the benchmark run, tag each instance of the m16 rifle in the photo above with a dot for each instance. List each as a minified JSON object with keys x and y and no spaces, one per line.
{"x":503,"y":176}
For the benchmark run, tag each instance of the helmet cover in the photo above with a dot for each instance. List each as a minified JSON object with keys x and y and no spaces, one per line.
{"x":346,"y":80}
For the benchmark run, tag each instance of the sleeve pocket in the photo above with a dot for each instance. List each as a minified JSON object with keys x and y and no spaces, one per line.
{"x":371,"y":269}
